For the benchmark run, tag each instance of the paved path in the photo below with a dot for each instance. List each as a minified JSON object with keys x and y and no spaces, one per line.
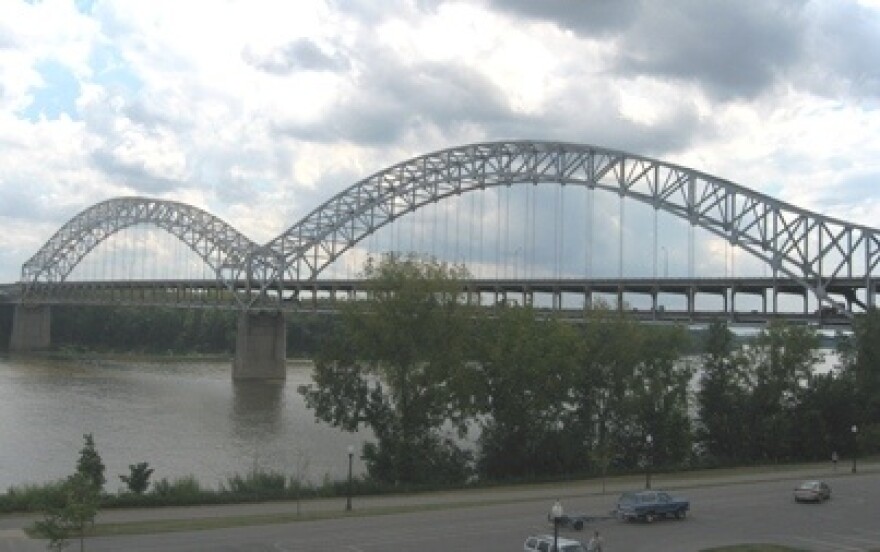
{"x":12,"y":538}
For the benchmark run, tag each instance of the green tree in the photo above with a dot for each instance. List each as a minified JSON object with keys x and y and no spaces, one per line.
{"x":658,"y":397}
{"x":519,"y":388}
{"x":860,"y":364}
{"x":90,"y":465}
{"x":722,"y":396}
{"x":74,"y":513}
{"x":607,"y":358}
{"x":138,"y":479}
{"x":394,"y":366}
{"x":781,"y":363}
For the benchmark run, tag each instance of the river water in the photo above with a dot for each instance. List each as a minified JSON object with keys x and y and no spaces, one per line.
{"x":184,"y":418}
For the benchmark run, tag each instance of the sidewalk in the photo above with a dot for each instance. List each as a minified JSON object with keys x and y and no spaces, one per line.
{"x":12,"y":538}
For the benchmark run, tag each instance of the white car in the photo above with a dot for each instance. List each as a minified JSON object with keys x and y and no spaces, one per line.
{"x":544,"y":543}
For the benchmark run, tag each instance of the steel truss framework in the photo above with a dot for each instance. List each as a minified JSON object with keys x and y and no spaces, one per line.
{"x":219,"y":245}
{"x":803,"y":246}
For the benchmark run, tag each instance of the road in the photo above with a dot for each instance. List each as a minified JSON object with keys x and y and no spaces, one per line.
{"x":723,"y":512}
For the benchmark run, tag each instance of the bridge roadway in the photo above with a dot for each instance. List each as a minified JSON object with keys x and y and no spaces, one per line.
{"x":570,"y":296}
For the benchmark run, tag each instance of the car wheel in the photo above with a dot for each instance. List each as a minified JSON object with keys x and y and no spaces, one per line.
{"x":649,"y":517}
{"x":680,"y":514}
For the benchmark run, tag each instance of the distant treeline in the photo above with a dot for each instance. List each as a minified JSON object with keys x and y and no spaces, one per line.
{"x":162,"y":331}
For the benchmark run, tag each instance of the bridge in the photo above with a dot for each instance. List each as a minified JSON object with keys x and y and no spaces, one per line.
{"x":542,"y":223}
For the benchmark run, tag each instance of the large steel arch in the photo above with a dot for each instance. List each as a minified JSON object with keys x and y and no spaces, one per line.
{"x":220,"y":246}
{"x":807,"y":247}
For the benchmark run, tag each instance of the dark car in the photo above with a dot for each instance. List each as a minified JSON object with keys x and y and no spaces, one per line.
{"x":812,"y":491}
{"x":651,"y":505}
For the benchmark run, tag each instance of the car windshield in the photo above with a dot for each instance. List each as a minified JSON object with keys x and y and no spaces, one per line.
{"x":810,"y":485}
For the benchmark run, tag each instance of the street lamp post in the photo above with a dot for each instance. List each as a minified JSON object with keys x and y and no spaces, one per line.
{"x":855,"y":434}
{"x":350,"y":458}
{"x":649,"y":439}
{"x":556,"y":513}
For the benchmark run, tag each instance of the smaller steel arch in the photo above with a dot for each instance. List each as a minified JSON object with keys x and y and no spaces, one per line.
{"x":218,"y":244}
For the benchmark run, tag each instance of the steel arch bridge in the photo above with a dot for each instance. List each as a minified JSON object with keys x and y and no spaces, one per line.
{"x":808,"y":248}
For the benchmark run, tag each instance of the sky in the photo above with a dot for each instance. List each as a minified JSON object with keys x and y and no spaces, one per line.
{"x":258,"y":111}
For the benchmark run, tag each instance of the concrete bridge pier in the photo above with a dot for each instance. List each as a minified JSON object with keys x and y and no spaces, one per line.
{"x":260,"y":347}
{"x":31,"y":328}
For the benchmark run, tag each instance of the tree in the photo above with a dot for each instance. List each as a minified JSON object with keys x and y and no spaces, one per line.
{"x":393,"y":366}
{"x":90,"y":464}
{"x":722,"y":396}
{"x":518,"y":387}
{"x":138,"y":480}
{"x":860,"y":363}
{"x":75,"y":511}
{"x":781,"y":365}
{"x":607,"y":357}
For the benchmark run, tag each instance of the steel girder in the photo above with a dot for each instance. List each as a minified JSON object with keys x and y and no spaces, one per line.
{"x":220,"y":246}
{"x":809,"y":248}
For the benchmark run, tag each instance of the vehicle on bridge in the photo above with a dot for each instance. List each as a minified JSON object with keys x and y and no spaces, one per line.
{"x":650,"y":505}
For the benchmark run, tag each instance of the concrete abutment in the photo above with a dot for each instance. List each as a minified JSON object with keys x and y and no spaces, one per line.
{"x":260,"y":346}
{"x":31,"y":328}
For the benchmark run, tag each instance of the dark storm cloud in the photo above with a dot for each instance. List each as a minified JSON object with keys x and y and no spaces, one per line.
{"x":299,"y":55}
{"x":731,"y":49}
{"x":387,"y":102}
{"x":587,"y":18}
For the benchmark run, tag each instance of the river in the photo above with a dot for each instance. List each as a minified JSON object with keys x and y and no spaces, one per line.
{"x":183,"y":418}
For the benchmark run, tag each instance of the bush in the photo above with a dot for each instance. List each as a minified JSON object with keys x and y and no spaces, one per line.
{"x":183,"y":488}
{"x":258,"y":483}
{"x":32,"y":498}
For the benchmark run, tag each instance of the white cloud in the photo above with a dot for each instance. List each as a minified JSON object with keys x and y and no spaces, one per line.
{"x":260,"y":111}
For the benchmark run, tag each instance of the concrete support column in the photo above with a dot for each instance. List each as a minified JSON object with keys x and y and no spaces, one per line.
{"x":260,"y":347}
{"x":31,"y":328}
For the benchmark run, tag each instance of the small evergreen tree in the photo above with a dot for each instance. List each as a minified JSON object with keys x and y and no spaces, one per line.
{"x":90,"y":464}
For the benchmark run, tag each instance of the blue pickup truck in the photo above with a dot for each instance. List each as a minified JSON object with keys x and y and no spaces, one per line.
{"x":650,"y":505}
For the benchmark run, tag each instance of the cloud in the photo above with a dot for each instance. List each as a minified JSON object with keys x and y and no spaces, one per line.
{"x":734,"y":50}
{"x":383,"y":105}
{"x":299,"y":55}
{"x":842,"y":66}
{"x":593,"y":19}
{"x":265,"y":110}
